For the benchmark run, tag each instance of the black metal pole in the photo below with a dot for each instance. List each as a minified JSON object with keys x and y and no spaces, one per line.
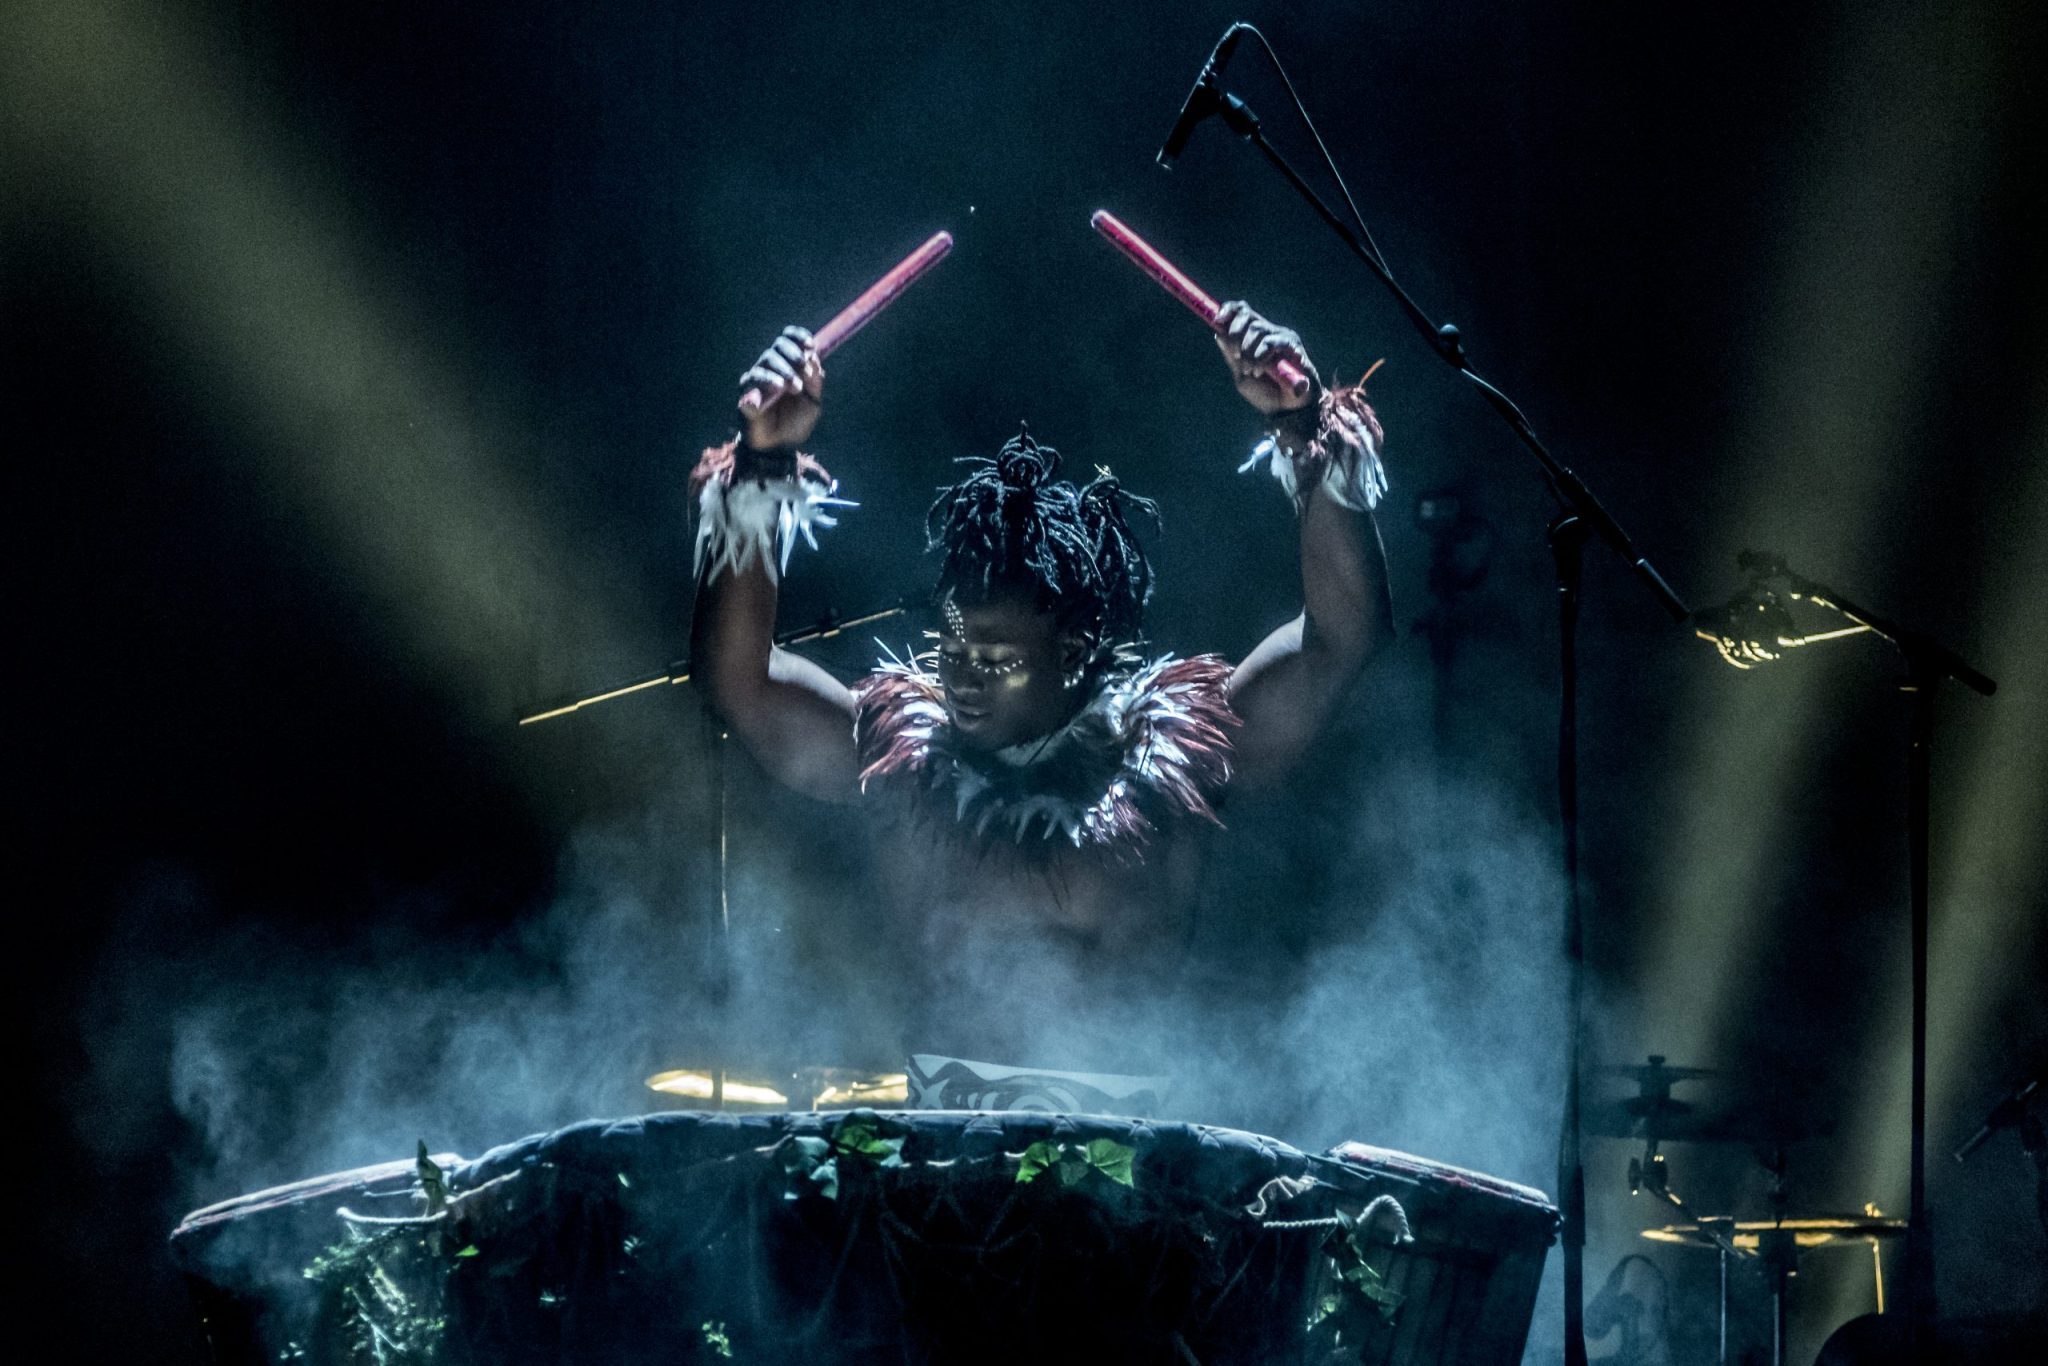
{"x":1567,"y":542}
{"x":1721,"y":1356}
{"x":1928,"y":662}
{"x":1920,"y":1299}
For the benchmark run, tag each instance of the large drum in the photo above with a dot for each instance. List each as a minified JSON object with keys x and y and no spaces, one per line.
{"x":857,"y":1237}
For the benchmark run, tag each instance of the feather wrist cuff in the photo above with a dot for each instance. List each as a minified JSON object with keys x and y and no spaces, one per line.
{"x":1342,"y":457}
{"x":750,"y":503}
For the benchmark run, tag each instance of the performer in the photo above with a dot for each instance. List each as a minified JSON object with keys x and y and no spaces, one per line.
{"x":1038,"y":788}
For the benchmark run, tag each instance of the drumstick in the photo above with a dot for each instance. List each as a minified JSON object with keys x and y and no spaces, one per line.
{"x":879,"y":296}
{"x":1145,"y":257}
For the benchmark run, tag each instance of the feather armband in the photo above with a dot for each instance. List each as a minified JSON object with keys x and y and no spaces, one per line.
{"x":754,"y":503}
{"x":1342,"y":456}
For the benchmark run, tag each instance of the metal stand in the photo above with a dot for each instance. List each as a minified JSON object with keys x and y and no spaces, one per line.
{"x":1780,"y":1257}
{"x":1721,"y":1355}
{"x":1928,"y":662}
{"x":824,"y":628}
{"x":1651,"y":1174}
{"x":1778,"y":1250}
{"x":1920,"y":1300}
{"x":1567,"y":542}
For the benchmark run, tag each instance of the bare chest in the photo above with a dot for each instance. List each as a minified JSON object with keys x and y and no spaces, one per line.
{"x":948,"y":890}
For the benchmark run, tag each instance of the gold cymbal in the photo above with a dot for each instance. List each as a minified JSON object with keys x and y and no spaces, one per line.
{"x":814,"y":1088}
{"x":1824,"y":1230}
{"x":708,"y":1084}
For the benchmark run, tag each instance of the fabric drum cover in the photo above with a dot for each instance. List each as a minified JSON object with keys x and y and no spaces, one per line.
{"x":856,"y":1237}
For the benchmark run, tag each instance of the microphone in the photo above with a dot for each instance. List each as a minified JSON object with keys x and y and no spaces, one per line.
{"x":1751,"y":628}
{"x":1755,"y":626}
{"x":2011,"y":1110}
{"x":1202,"y":101}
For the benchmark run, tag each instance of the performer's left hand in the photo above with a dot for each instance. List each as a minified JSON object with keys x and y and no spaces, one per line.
{"x":1250,"y":345}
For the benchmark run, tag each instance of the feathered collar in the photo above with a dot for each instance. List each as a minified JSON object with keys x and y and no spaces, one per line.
{"x":1150,"y":748}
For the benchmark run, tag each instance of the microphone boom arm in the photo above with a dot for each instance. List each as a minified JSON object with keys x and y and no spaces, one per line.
{"x":1448,"y":345}
{"x":824,"y":628}
{"x":1922,"y":651}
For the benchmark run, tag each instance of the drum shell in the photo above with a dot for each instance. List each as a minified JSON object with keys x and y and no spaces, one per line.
{"x":1469,"y":1279}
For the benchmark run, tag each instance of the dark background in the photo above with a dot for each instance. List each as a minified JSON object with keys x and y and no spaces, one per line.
{"x":356,"y":356}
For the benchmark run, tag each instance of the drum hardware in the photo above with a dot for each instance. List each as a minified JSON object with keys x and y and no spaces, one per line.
{"x":1871,"y":1210}
{"x":1775,"y":1244}
{"x":1656,"y":1077}
{"x":718,"y":1087}
{"x":1650,"y":1173}
{"x":1809,"y":1232}
{"x":1655,"y":1117}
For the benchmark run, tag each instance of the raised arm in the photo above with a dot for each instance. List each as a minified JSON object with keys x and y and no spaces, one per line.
{"x":1326,"y":452}
{"x":753,"y":496}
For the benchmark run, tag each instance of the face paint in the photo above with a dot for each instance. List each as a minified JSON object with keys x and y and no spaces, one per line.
{"x":1003,"y":664}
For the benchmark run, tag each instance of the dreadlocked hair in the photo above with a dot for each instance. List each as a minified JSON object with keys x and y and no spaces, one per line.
{"x":1010,"y":525}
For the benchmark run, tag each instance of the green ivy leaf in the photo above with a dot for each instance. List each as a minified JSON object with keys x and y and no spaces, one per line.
{"x":1038,"y":1159}
{"x":864,"y":1140}
{"x":1348,"y":1248}
{"x":1071,"y":1164}
{"x":1112,"y":1159}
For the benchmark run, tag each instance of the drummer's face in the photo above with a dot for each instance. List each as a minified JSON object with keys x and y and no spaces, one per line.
{"x":1004,"y":664}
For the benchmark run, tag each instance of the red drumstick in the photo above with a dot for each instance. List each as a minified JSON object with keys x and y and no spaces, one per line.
{"x":879,"y":296}
{"x":1284,"y":372}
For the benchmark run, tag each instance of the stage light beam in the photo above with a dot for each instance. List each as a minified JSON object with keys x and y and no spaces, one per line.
{"x":1878,"y":202}
{"x":276,"y":312}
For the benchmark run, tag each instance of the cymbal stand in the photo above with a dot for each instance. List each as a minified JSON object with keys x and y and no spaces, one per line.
{"x":1649,"y":1173}
{"x":1876,"y":1256}
{"x":1778,"y":1250}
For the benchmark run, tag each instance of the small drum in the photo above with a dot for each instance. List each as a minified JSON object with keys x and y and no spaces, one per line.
{"x":857,"y":1237}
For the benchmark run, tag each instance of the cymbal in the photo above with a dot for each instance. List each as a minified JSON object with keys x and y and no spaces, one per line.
{"x":1654,"y":1114}
{"x":816,"y":1087}
{"x":1656,"y":1074}
{"x":1822,"y":1230}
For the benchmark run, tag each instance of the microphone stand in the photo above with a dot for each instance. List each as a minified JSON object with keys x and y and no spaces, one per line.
{"x":1928,"y":662}
{"x":824,"y":628}
{"x":1580,"y":516}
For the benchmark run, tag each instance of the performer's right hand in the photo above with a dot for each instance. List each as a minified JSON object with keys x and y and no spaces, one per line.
{"x":790,"y":380}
